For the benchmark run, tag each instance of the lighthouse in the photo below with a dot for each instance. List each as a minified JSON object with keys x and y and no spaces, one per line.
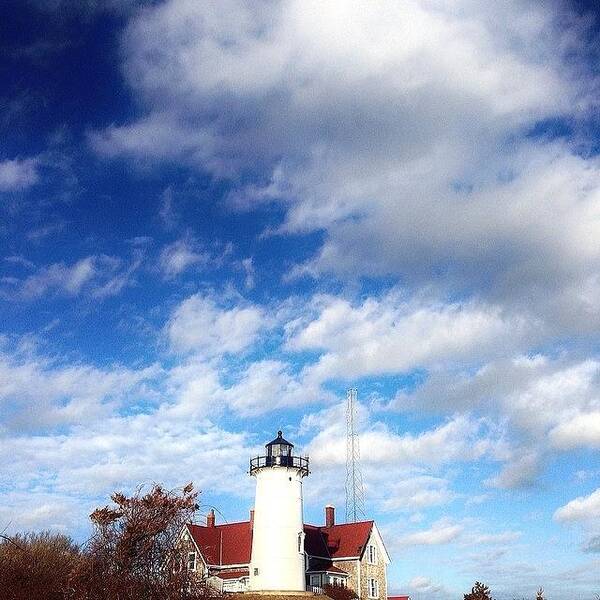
{"x":277,"y":560}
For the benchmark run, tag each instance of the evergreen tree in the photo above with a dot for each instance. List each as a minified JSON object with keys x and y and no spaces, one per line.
{"x":479,"y":592}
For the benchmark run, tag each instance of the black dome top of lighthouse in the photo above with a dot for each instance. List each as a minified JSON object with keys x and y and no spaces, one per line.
{"x":279,"y":440}
{"x":279,"y":454}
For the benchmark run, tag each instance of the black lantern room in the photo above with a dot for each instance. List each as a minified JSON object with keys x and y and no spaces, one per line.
{"x":279,"y":454}
{"x":279,"y":447}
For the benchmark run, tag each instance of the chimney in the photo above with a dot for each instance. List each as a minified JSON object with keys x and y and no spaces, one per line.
{"x":329,"y":516}
{"x":251,"y":519}
{"x":210,"y":518}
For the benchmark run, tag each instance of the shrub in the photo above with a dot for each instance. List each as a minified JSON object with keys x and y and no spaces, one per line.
{"x":339,"y":592}
{"x":36,"y":565}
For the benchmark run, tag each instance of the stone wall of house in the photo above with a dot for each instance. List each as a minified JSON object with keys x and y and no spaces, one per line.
{"x":376,"y":571}
{"x":186,"y":546}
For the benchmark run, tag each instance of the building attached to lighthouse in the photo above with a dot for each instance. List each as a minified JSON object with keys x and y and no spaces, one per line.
{"x":278,"y":561}
{"x":275,"y":550}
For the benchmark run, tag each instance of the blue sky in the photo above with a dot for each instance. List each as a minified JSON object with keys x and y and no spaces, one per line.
{"x":216,"y":217}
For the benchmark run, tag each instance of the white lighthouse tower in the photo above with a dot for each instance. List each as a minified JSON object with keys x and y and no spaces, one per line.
{"x":277,"y":561}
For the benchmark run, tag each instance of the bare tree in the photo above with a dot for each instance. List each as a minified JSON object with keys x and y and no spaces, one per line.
{"x":134,"y":554}
{"x":36,"y":565}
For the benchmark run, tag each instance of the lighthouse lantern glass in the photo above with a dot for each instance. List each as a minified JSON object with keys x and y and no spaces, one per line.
{"x":281,"y":450}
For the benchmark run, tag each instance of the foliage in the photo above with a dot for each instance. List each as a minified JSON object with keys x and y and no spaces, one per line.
{"x":479,"y":592}
{"x":339,"y":592}
{"x":134,"y":553}
{"x":36,"y":565}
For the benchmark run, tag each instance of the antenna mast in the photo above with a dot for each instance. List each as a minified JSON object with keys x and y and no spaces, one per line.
{"x":355,"y":495}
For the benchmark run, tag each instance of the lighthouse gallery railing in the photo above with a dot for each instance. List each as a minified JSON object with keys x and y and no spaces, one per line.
{"x":294,"y":462}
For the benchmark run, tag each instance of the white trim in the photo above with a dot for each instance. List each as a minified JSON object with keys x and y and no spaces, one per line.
{"x":373,"y":580}
{"x":375,"y":531}
{"x":199,"y":552}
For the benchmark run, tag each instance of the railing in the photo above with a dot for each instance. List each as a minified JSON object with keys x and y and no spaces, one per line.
{"x":294,"y":462}
{"x":316,"y":589}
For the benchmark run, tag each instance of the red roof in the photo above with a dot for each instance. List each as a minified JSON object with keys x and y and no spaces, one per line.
{"x":347,"y":539}
{"x":228,"y":544}
{"x":231,"y":544}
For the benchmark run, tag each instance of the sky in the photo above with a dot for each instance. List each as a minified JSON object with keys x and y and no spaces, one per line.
{"x":215,"y":217}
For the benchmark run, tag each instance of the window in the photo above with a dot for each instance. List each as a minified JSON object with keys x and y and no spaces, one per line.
{"x":255,"y":572}
{"x":373,"y":588}
{"x":191,"y":561}
{"x":315,"y":580}
{"x":372,"y":554}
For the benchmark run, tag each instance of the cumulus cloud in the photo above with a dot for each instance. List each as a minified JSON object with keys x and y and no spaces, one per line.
{"x":268,"y":385}
{"x":458,"y":439}
{"x":402,"y":131}
{"x":416,"y":492}
{"x":582,"y":430}
{"x":200,"y":325}
{"x":61,"y":478}
{"x":441,"y":532}
{"x":18,"y":174}
{"x":39,"y":393}
{"x":392,"y":334}
{"x":582,"y":508}
{"x":539,"y":394}
{"x":402,"y":473}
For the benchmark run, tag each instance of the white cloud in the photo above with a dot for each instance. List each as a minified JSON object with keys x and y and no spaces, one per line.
{"x":582,"y":430}
{"x":389,"y":133}
{"x":539,"y":394}
{"x":100,"y":276}
{"x":417,"y":492}
{"x":199,"y":325}
{"x":37,"y":393}
{"x":18,"y":174}
{"x":521,"y":470}
{"x":459,"y":439}
{"x":268,"y":385}
{"x":580,"y":509}
{"x":440,"y":532}
{"x":392,"y":334}
{"x":58,"y":479}
{"x":177,"y":257}
{"x":424,"y":585}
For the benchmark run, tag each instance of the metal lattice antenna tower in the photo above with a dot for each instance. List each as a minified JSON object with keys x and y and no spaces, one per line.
{"x":355,"y":495}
